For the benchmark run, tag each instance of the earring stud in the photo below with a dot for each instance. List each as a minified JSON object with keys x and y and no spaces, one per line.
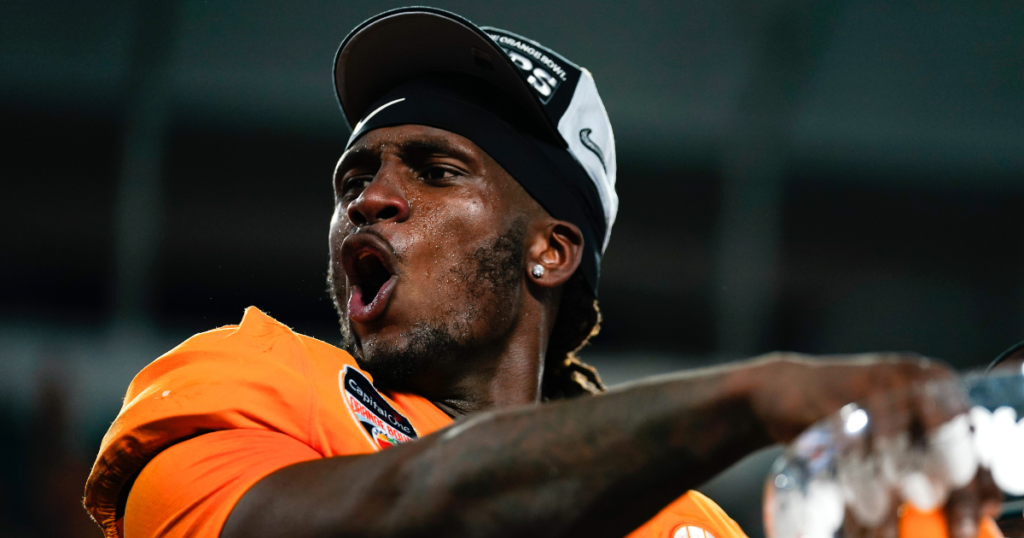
{"x":537,"y":271}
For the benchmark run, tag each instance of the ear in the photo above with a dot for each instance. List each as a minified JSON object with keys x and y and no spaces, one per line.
{"x":557,"y":246}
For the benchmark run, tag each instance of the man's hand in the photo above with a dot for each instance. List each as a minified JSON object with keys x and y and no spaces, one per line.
{"x":794,"y":391}
{"x":903,"y":395}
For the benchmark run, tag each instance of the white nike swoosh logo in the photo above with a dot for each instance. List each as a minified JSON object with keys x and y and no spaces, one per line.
{"x":374,"y":113}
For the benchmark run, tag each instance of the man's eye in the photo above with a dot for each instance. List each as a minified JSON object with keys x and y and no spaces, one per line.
{"x":437,"y":173}
{"x":355,"y":184}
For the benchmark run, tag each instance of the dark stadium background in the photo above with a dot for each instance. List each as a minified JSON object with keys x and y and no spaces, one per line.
{"x":817,"y":176}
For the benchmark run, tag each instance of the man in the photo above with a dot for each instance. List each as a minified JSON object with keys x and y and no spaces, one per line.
{"x":473,"y":204}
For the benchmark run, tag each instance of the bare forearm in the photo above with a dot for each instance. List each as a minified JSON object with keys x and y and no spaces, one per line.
{"x":600,"y":465}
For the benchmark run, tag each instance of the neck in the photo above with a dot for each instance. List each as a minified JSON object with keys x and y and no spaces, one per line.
{"x":506,"y":373}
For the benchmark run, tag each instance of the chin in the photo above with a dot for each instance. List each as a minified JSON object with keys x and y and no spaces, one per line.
{"x":398,"y":358}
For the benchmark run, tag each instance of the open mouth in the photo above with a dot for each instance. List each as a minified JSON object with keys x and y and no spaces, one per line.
{"x":372,"y":274}
{"x":370,"y":278}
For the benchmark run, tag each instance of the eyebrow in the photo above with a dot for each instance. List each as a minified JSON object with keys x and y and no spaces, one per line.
{"x":418,"y":150}
{"x":356,"y":157}
{"x":410,"y":151}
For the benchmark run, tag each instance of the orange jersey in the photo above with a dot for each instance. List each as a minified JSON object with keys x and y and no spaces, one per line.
{"x":917,"y":524}
{"x":206,"y":421}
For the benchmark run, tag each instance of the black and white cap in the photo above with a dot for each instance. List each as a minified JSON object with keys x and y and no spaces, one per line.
{"x":559,"y":98}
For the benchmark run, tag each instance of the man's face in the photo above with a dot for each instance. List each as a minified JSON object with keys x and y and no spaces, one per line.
{"x":426,"y":251}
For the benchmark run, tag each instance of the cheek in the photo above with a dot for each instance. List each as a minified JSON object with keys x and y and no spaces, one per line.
{"x":336,"y":223}
{"x":458,"y":223}
{"x":447,"y":232}
{"x":336,"y":236}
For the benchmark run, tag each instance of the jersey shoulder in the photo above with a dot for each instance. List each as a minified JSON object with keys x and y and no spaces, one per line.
{"x":258,"y":375}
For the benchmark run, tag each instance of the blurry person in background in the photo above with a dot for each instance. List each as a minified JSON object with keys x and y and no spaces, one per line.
{"x":473,"y":204}
{"x":41,"y":491}
{"x":55,"y":468}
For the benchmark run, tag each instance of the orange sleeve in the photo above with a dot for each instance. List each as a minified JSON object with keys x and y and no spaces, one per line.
{"x":691,"y":516}
{"x":189,"y":489}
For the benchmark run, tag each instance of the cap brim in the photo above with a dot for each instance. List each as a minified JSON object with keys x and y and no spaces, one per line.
{"x":404,"y":43}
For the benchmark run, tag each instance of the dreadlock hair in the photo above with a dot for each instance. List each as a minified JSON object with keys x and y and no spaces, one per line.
{"x":579,"y":319}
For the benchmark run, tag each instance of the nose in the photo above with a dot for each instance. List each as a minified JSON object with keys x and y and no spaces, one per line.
{"x":381,"y":201}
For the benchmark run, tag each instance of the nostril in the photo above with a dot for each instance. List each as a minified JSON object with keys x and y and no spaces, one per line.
{"x":356,"y":217}
{"x":388,"y":212}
